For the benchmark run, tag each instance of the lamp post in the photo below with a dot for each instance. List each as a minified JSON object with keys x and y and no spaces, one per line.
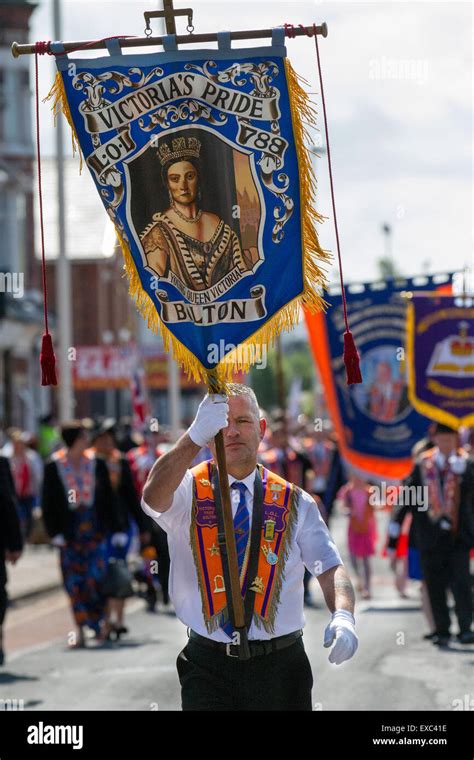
{"x":63,"y":269}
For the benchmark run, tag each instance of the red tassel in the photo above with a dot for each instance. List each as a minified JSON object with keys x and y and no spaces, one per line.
{"x":351,"y":360}
{"x":48,"y":361}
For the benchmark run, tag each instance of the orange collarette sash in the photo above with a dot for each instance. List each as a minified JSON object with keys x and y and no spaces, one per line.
{"x":442,"y":501}
{"x":280,"y":508}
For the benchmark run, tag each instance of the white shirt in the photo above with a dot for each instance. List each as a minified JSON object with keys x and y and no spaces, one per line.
{"x":312,"y":546}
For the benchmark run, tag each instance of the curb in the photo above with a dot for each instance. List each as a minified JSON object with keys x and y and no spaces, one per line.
{"x":25,"y":595}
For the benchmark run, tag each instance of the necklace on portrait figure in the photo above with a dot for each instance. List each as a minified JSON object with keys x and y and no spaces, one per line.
{"x":191,"y":219}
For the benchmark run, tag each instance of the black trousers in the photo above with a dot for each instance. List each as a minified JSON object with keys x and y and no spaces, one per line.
{"x":443,"y":569}
{"x":3,"y":587}
{"x":211,"y":681}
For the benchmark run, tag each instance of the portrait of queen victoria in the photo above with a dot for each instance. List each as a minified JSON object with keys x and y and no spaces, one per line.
{"x":184,"y":239}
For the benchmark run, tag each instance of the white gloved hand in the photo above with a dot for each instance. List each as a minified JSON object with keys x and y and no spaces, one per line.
{"x":211,"y":417}
{"x":58,"y":540}
{"x":119,"y":539}
{"x":341,"y":629}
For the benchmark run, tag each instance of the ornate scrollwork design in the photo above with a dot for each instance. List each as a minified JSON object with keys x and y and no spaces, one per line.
{"x":260,"y":74}
{"x":188,"y":110}
{"x":112,"y":82}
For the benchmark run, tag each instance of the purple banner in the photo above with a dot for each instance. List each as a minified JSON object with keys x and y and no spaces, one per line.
{"x":440,"y":346}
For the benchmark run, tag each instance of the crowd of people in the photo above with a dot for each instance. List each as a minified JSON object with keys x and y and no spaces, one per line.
{"x":79,"y":487}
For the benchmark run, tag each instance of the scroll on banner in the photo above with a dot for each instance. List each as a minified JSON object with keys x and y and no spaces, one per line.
{"x":376,"y":423}
{"x":200,"y":160}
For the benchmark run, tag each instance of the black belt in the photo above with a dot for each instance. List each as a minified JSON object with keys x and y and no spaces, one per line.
{"x":257,"y":648}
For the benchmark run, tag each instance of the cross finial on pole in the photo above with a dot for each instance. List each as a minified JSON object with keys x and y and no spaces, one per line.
{"x":170,"y":20}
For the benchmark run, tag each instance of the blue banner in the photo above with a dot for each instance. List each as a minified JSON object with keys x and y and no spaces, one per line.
{"x":376,"y":423}
{"x":199,"y":160}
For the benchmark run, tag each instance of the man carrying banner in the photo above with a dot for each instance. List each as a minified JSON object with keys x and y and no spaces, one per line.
{"x":441,"y":498}
{"x":278,"y":532}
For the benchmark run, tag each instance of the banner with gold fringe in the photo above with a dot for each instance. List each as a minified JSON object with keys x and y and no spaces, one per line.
{"x":440,"y":354}
{"x":200,"y":159}
{"x":376,"y":423}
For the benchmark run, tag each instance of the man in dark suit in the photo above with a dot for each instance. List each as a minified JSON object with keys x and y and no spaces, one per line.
{"x":11,"y":543}
{"x":440,"y":495}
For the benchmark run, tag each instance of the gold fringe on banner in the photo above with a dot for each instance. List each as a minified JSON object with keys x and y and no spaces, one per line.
{"x":59,"y":105}
{"x":303,"y":116}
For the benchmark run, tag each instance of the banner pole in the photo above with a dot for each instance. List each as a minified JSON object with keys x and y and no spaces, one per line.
{"x":18,"y":49}
{"x":234,"y":592}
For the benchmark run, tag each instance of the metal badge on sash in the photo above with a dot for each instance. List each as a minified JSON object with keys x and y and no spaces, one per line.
{"x":219,"y":587}
{"x":258,"y":585}
{"x":270,"y":556}
{"x":269,"y":533}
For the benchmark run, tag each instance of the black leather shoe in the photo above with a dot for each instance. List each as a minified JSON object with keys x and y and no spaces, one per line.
{"x":441,"y":641}
{"x":466,"y":638}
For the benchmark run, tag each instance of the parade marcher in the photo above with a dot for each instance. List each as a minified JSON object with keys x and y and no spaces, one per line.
{"x":27,"y":474}
{"x":441,"y":498}
{"x":156,"y":550}
{"x":279,"y":531}
{"x":48,"y":436}
{"x":79,"y":509}
{"x":284,"y":460}
{"x":319,"y":450}
{"x":362,"y":531}
{"x":336,"y":478}
{"x":125,"y":437}
{"x":405,"y":561}
{"x":397,"y":549}
{"x":402,"y":547}
{"x":11,"y":542}
{"x":129,"y":512}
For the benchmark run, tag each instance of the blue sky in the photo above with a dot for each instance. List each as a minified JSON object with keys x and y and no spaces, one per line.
{"x":398,"y":84}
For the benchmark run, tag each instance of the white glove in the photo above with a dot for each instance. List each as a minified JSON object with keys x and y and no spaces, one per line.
{"x":211,"y":417}
{"x":342,"y":630}
{"x":58,"y":541}
{"x":119,"y":539}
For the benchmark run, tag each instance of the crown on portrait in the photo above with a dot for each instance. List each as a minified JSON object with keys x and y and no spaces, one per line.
{"x":179,"y":149}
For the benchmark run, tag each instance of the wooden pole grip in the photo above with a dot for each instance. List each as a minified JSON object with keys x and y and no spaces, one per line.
{"x":235,"y":590}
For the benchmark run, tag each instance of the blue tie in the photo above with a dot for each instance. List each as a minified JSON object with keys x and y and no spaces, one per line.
{"x":242,"y":531}
{"x":241,"y":523}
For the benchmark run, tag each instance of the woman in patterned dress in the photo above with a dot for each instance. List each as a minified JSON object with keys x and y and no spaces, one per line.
{"x":131,"y":515}
{"x":79,"y":510}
